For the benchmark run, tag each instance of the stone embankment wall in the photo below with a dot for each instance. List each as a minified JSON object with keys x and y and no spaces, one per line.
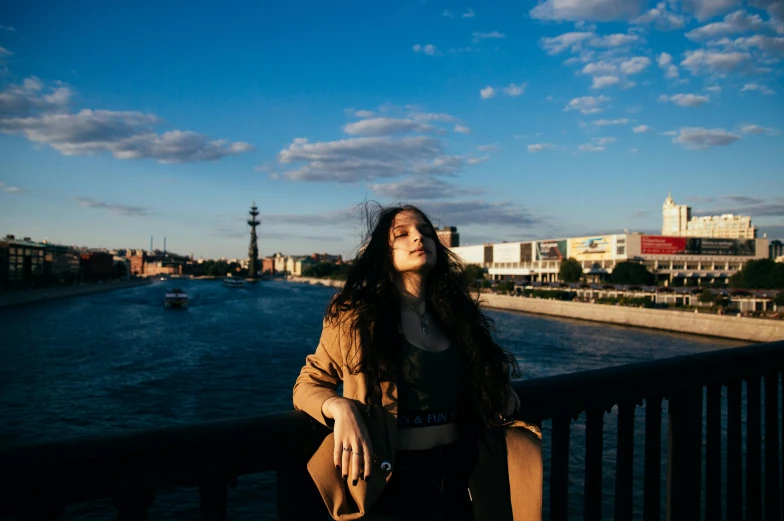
{"x":740,"y":328}
{"x":15,"y":298}
{"x":314,"y":281}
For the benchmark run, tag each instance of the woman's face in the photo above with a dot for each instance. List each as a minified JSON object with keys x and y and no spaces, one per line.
{"x":413,"y":243}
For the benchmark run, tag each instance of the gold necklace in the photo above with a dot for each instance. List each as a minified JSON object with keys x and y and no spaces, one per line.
{"x":423,"y":323}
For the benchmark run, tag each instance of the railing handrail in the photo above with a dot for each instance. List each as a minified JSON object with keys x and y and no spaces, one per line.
{"x":84,"y":468}
{"x":571,"y":393}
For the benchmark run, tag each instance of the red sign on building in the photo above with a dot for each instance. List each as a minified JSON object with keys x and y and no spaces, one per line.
{"x":658,"y":245}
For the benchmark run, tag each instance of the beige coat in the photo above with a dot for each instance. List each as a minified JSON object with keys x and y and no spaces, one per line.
{"x":319,"y":379}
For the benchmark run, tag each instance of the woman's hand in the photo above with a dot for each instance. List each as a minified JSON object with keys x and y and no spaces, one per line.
{"x":353,"y":454}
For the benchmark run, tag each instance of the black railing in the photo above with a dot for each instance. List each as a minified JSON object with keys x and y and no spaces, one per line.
{"x":210,"y":456}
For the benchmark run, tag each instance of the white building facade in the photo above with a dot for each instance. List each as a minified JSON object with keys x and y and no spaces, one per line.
{"x":678,"y":222}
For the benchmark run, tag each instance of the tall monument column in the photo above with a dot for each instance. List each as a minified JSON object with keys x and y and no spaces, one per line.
{"x":253,"y":250}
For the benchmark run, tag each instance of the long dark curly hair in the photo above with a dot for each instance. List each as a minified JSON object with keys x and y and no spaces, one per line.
{"x":371,"y":299}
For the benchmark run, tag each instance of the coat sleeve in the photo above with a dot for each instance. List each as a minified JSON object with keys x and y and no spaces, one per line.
{"x":322,"y":374}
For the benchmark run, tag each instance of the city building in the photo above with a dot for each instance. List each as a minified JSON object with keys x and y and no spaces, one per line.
{"x":775,"y":250}
{"x":448,"y":236}
{"x":671,"y":259}
{"x":677,"y":221}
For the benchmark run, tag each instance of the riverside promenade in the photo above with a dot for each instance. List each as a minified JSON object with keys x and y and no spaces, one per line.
{"x":19,"y":297}
{"x":735,"y":327}
{"x":724,"y":326}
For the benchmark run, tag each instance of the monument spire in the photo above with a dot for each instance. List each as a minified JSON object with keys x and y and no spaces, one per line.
{"x":253,"y":250}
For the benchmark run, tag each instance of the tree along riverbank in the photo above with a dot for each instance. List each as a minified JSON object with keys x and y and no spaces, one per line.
{"x":734,"y":327}
{"x":19,"y":297}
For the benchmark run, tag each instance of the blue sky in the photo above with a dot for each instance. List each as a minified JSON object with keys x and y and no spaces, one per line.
{"x":510,"y":120}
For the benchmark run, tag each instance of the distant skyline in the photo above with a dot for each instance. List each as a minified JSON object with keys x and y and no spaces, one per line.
{"x":509,"y":120}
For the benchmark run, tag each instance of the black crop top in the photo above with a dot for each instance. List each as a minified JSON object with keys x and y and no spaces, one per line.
{"x":428,"y":386}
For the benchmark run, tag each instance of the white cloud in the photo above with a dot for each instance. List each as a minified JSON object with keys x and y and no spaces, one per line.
{"x":385,"y":127}
{"x":639,"y":129}
{"x":606,"y":122}
{"x":360,"y":113}
{"x":702,"y":138}
{"x":487,"y":93}
{"x":477,"y":160}
{"x":462,"y":129}
{"x":468,"y":14}
{"x":430,"y":116}
{"x":514,"y":90}
{"x":488,"y":148}
{"x":10,"y":189}
{"x":602,"y":141}
{"x":7,"y":28}
{"x":418,"y":187}
{"x":684,"y":100}
{"x":665,"y":62}
{"x":770,"y":44}
{"x":590,"y":147}
{"x":588,"y":104}
{"x":116,"y":209}
{"x":428,"y":49}
{"x":715,"y":62}
{"x":713,"y":88}
{"x":582,"y":10}
{"x":734,"y":23}
{"x":705,"y":9}
{"x":632,"y":150}
{"x":446,"y":13}
{"x":614,"y":40}
{"x":463,"y":213}
{"x":661,"y":18}
{"x":756,"y":129}
{"x":538,"y":147}
{"x":572,"y":41}
{"x":600,"y":68}
{"x":754,"y":86}
{"x":635,"y":65}
{"x":495,"y":35}
{"x":600,"y":82}
{"x":43,"y":115}
{"x":367,"y":158}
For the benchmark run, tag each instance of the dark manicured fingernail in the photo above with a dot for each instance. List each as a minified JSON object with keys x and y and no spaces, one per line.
{"x":360,"y":477}
{"x":337,"y":467}
{"x":354,"y":482}
{"x":345,"y":476}
{"x":367,"y":479}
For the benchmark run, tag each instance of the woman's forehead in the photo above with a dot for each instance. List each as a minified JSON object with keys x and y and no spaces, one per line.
{"x":407,"y":218}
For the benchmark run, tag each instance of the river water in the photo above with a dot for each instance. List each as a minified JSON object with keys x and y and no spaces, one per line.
{"x":116,"y":361}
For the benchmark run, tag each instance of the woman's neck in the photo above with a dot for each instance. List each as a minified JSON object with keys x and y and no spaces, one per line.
{"x":412,"y":291}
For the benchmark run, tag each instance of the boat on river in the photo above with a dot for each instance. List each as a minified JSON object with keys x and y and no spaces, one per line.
{"x":234,"y":283}
{"x":175,"y":299}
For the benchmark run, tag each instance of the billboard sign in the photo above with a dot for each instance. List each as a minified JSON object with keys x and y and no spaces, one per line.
{"x":507,"y":252}
{"x":597,"y":247}
{"x":550,"y":250}
{"x":658,"y":245}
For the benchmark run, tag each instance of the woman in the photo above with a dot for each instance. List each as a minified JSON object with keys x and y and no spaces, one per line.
{"x":424,"y":387}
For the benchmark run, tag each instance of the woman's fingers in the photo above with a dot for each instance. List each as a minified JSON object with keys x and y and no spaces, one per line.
{"x":368,"y":460}
{"x":345,"y":465}
{"x":337,"y":454}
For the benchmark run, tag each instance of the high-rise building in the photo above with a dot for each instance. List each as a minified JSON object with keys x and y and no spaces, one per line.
{"x":448,"y":236}
{"x":776,"y":249}
{"x":678,"y":222}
